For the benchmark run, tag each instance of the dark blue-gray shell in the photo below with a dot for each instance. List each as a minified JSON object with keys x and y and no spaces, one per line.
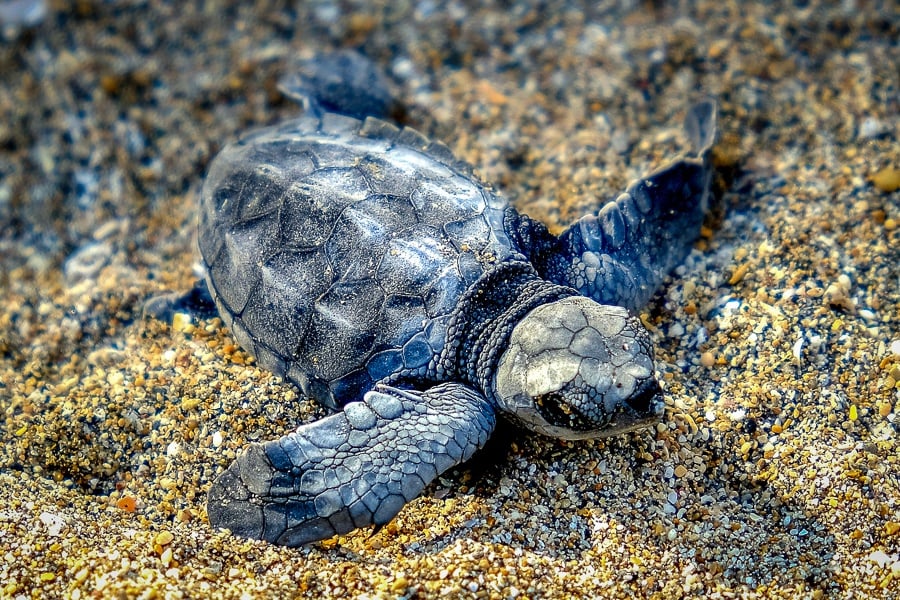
{"x":336,"y":249}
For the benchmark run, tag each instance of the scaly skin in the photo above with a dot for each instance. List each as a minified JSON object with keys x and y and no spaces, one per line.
{"x":355,"y":468}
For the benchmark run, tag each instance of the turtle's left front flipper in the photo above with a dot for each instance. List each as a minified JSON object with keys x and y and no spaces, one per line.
{"x":621,"y":254}
{"x":355,"y":468}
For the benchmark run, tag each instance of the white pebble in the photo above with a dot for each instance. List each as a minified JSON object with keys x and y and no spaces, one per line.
{"x":880,"y":558}
{"x":797,"y":348}
{"x":53,"y":522}
{"x":871,"y":128}
{"x":86,"y":262}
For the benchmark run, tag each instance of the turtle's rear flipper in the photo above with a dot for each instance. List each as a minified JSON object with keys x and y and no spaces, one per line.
{"x":621,"y":254}
{"x":343,"y":82}
{"x":197,"y":301}
{"x":355,"y":468}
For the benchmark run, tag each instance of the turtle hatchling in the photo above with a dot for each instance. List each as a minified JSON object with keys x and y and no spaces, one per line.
{"x":367,"y":265}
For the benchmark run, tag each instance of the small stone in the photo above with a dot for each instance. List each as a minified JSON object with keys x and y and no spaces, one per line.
{"x":871,"y":128}
{"x":837,"y":295}
{"x":163,"y":538}
{"x":53,"y":522}
{"x":887,"y":179}
{"x":739,"y":273}
{"x":182,"y":322}
{"x":86,"y":262}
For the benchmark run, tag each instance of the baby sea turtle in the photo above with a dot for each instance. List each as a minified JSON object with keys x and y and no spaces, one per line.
{"x":370,"y":267}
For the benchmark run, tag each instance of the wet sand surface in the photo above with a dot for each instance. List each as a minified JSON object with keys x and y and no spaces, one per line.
{"x":775,"y":470}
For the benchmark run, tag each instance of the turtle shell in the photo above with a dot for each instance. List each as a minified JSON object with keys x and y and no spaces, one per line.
{"x":336,"y":249}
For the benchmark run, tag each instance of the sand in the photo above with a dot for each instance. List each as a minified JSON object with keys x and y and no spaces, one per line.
{"x":775,"y":470}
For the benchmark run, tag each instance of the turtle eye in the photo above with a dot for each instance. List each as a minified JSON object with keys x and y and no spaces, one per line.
{"x":557,"y":411}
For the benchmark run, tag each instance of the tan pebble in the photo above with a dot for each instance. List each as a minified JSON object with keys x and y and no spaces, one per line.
{"x":815,"y":292}
{"x":400,"y":583}
{"x":707,"y":359}
{"x":739,"y":272}
{"x":887,"y":179}
{"x":718,"y":48}
{"x":837,"y":295}
{"x":680,"y":471}
{"x":163,"y":538}
{"x":884,"y":409}
{"x":181,"y":322}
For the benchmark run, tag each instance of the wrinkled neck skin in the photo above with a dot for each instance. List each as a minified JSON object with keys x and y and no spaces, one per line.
{"x":479,"y":330}
{"x":555,"y":362}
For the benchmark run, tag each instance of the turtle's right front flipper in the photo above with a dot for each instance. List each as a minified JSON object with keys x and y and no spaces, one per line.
{"x":621,"y":254}
{"x":355,"y":468}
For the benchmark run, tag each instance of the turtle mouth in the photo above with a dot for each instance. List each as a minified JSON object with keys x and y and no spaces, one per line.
{"x":554,"y":409}
{"x":647,"y":400}
{"x":563,"y":420}
{"x":645,"y":407}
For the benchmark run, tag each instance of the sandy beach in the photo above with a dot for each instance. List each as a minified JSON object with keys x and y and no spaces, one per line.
{"x":775,"y":472}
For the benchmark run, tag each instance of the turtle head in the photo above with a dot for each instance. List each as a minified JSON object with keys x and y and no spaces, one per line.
{"x":575,"y":369}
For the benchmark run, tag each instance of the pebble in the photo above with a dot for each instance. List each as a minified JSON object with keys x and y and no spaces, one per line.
{"x":872,"y":127}
{"x":887,"y":179}
{"x":87,"y":261}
